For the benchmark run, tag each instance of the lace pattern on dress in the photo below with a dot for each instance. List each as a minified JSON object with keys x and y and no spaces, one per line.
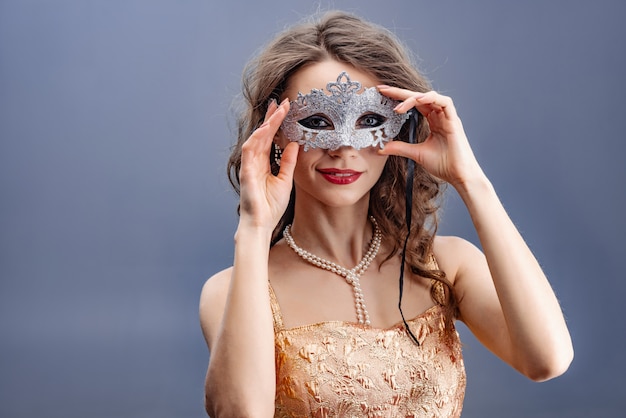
{"x":342,"y":369}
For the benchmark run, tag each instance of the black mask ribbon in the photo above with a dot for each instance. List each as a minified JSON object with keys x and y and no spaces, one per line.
{"x":414,"y":116}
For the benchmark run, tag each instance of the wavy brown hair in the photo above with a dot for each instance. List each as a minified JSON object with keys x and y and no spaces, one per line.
{"x":373,"y":49}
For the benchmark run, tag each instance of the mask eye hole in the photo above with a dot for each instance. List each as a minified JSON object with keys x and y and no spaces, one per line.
{"x":318,"y":122}
{"x":370,"y":120}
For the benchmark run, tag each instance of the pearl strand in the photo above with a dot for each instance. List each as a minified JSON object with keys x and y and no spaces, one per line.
{"x":352,"y":275}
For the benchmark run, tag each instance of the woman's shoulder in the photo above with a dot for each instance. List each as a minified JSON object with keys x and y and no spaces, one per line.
{"x":213,"y":301}
{"x":450,"y":243}
{"x":216,"y":286}
{"x":454,"y":253}
{"x":218,"y":280}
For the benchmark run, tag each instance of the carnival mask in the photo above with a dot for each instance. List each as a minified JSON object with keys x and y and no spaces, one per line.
{"x":342,"y":118}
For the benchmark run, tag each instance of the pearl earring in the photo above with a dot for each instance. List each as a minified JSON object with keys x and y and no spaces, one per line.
{"x":278,"y":154}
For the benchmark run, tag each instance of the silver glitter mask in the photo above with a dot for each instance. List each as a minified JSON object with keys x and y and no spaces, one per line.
{"x":343,"y":118}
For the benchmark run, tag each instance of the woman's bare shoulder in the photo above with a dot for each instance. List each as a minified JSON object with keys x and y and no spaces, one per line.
{"x":217,"y":283}
{"x":451,"y":243}
{"x":453,"y":253}
{"x":212,"y":303}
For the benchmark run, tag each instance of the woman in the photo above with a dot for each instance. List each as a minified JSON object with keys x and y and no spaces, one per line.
{"x":307,"y":321}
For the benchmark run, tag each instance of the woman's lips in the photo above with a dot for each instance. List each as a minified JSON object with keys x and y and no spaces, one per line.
{"x":338,"y":176}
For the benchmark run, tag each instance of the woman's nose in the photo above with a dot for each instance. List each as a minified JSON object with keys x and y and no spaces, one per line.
{"x":345,"y":151}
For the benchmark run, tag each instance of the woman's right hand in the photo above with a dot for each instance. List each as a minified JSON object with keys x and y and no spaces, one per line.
{"x":264,"y":197}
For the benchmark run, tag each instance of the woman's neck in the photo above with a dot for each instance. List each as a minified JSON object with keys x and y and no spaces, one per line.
{"x":340,"y":235}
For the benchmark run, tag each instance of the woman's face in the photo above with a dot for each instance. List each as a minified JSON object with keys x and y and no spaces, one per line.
{"x":339,"y":177}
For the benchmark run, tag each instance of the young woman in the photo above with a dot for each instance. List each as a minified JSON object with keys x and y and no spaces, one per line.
{"x":308,"y":320}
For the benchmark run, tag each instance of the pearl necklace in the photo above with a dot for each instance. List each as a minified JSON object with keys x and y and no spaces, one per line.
{"x":353,"y":275}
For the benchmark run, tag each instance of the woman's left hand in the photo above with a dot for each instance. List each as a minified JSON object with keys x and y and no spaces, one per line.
{"x":446,"y":152}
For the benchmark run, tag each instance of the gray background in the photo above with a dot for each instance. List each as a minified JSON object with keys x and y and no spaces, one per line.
{"x":115,"y":124}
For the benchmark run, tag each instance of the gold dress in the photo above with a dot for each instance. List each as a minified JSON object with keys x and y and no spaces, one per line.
{"x":344,"y":369}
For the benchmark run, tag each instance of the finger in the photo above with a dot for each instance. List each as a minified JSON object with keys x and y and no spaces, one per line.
{"x":396,"y":92}
{"x":271,"y":108}
{"x":400,"y":148}
{"x":275,"y":115}
{"x":427,"y":102}
{"x":424,"y":102}
{"x":437,"y":101}
{"x":262,"y":137}
{"x":256,"y":149}
{"x":408,"y":99}
{"x":402,"y":95}
{"x":288,"y":161}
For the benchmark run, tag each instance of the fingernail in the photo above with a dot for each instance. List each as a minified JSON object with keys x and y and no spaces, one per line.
{"x":383,"y":86}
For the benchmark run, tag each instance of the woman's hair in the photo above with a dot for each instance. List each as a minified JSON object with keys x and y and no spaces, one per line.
{"x":373,"y":49}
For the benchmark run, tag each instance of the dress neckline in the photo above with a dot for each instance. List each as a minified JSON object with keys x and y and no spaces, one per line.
{"x":279,"y":325}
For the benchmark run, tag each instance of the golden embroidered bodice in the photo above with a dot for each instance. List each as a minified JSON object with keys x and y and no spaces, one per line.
{"x":342,"y":369}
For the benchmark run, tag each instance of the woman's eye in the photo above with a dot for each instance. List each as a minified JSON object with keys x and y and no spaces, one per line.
{"x":316,"y":122}
{"x":371,"y":120}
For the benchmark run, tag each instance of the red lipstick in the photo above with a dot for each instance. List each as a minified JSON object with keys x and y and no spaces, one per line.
{"x":339,"y":176}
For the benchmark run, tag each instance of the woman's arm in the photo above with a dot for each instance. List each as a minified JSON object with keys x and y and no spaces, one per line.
{"x":235,"y":309}
{"x":237,"y":322}
{"x":505,"y":298}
